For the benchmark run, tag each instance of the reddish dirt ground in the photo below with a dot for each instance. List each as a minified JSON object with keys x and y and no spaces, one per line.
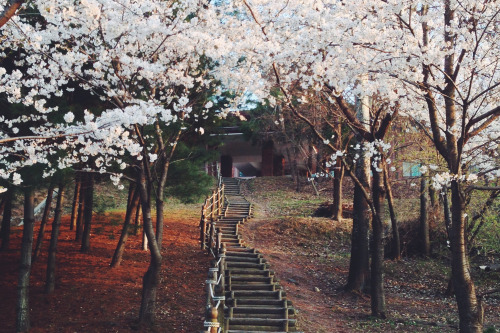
{"x":92,"y":297}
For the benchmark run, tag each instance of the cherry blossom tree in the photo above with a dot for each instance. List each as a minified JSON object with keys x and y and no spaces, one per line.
{"x":143,"y":59}
{"x":434,"y":61}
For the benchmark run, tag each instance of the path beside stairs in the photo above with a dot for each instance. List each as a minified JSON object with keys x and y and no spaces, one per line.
{"x":255,"y":301}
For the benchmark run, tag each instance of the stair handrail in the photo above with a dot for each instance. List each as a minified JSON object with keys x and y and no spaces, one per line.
{"x":211,"y":239}
{"x":215,"y":294}
{"x":211,"y":210}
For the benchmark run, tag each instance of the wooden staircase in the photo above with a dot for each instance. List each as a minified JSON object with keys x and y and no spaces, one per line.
{"x":255,"y":302}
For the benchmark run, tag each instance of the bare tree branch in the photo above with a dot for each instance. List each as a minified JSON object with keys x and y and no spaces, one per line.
{"x":10,"y":11}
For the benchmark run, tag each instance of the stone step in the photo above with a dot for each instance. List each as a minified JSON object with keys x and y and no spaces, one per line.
{"x":252,"y":286}
{"x":259,"y":323}
{"x":260,"y":302}
{"x":249,"y":272}
{"x":238,"y":279}
{"x":247,"y":265}
{"x":256,"y":294}
{"x":261,"y":310}
{"x":240,"y":249}
{"x":231,"y":259}
{"x":246,"y":331}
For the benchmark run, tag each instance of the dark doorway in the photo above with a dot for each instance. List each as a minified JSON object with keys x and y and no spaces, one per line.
{"x":226,"y":165}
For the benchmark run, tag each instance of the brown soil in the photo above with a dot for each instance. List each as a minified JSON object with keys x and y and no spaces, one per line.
{"x":92,"y":297}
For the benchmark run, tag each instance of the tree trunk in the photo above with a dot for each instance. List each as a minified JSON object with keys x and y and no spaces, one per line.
{"x":137,"y":220}
{"x":447,"y":212}
{"x":81,"y":206}
{"x":87,"y":212}
{"x":152,"y":277}
{"x":43,"y":224}
{"x":145,"y":245}
{"x":6,"y":219}
{"x":56,"y":224}
{"x":425,"y":243}
{"x":396,"y":243}
{"x":76,"y":202}
{"x":338,"y":178}
{"x":377,"y":263}
{"x":132,"y":207}
{"x":358,"y":278}
{"x":470,"y":310}
{"x":22,"y":308}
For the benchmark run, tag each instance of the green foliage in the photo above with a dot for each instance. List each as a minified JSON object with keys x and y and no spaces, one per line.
{"x":187,"y":180}
{"x":102,"y":203}
{"x":488,"y":238}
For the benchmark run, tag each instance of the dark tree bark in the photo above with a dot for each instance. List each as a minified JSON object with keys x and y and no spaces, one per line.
{"x":22,"y":307}
{"x":43,"y":223}
{"x":377,"y":262}
{"x":359,"y":271}
{"x":450,"y":145}
{"x":87,"y":212}
{"x":56,"y":224}
{"x":132,"y":207}
{"x":9,"y":11}
{"x":425,"y":243}
{"x":76,"y":202}
{"x":6,"y":219}
{"x":151,"y":279}
{"x":81,"y":208}
{"x":396,"y":243}
{"x":447,"y":212}
{"x":137,"y":223}
{"x":470,"y":309}
{"x":338,"y":178}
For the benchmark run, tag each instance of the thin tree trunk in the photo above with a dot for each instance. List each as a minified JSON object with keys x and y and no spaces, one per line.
{"x":43,"y":224}
{"x":137,"y":220}
{"x":396,"y":243}
{"x":359,"y":271}
{"x":145,"y":245}
{"x":447,"y":212}
{"x":56,"y":224}
{"x":338,"y":178}
{"x":377,"y":262}
{"x":22,"y":307}
{"x":2,"y":206}
{"x":6,"y":219}
{"x":470,"y":310}
{"x":76,"y":202}
{"x":132,"y":207}
{"x":425,"y":244}
{"x":81,"y":208}
{"x":151,"y":279}
{"x":87,"y":213}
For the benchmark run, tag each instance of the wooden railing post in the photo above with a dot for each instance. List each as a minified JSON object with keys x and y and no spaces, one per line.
{"x":222,"y":269}
{"x":219,"y":241}
{"x":214,"y":314}
{"x":218,"y":202}
{"x":212,"y":236}
{"x":213,"y":205}
{"x":203,"y":226}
